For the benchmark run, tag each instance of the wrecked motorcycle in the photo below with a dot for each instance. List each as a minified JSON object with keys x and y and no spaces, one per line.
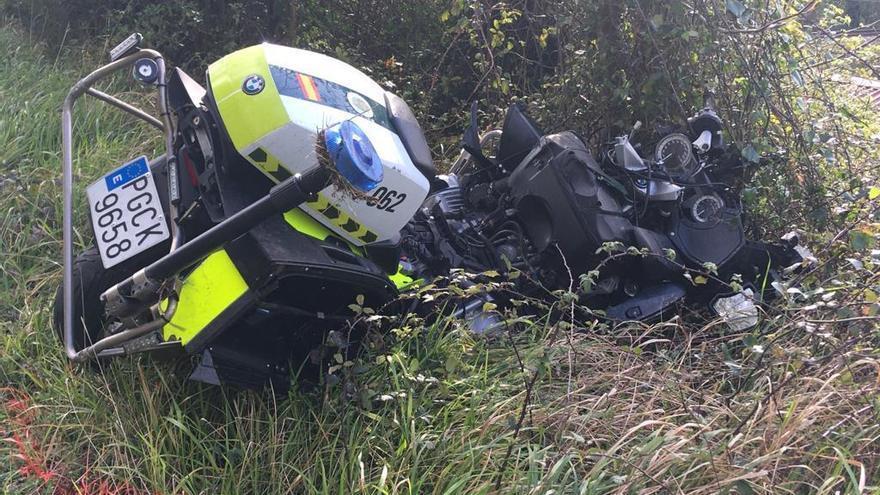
{"x":292,"y":185}
{"x":544,"y":206}
{"x":249,"y":237}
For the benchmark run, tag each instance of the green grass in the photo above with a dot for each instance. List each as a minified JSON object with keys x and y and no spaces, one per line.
{"x":428,"y":408}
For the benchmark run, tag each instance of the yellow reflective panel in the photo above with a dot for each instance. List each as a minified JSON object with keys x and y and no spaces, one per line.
{"x":307,"y":225}
{"x":403,"y":281}
{"x":247,"y":117}
{"x":208,"y":290}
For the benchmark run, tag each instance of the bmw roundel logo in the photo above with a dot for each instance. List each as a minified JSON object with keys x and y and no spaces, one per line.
{"x":253,"y":84}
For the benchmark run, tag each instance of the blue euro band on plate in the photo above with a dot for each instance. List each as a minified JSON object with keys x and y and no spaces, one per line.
{"x":127,"y":173}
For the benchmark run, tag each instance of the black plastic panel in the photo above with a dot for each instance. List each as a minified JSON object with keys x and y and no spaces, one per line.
{"x":702,"y":243}
{"x":648,"y":304}
{"x":411,"y":135}
{"x":560,"y":200}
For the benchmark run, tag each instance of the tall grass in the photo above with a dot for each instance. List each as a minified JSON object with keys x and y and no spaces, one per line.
{"x":428,"y":407}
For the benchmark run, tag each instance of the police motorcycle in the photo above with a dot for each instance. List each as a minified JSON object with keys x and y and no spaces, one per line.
{"x":292,"y":186}
{"x":276,"y":205}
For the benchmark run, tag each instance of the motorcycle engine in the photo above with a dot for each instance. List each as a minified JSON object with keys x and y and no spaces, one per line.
{"x":549,"y":211}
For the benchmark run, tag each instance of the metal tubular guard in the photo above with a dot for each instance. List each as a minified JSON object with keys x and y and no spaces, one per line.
{"x":84,"y":86}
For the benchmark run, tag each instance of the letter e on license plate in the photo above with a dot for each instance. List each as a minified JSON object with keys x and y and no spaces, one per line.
{"x":126,"y":212}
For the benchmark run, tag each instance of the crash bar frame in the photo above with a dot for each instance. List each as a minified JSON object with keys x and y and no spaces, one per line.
{"x":84,"y":86}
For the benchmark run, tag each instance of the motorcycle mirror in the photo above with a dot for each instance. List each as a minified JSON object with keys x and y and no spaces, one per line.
{"x":704,"y":142}
{"x":706,"y":125}
{"x":471,"y":134}
{"x":709,"y":100}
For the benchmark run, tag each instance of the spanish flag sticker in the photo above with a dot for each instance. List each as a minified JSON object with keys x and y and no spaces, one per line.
{"x":309,"y":89}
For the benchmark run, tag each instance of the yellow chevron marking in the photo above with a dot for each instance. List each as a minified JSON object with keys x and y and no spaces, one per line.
{"x":322,"y":202}
{"x":269,"y":166}
{"x":361,"y":231}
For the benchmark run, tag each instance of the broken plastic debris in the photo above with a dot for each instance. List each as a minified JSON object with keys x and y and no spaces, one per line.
{"x":738,"y":310}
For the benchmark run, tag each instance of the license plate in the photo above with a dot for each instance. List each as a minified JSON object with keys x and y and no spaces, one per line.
{"x":126,"y":212}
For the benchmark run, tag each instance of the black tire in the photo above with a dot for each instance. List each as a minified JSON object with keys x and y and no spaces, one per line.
{"x":90,"y":280}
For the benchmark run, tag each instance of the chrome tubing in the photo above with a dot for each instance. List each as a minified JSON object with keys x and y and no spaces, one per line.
{"x":92,"y":351}
{"x":170,"y":158}
{"x":137,"y":112}
{"x":82,"y":87}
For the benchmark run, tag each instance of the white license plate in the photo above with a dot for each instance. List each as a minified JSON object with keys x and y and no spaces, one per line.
{"x":126,"y":213}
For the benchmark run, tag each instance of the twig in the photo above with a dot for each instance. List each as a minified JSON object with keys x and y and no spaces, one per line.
{"x":530,"y":387}
{"x":850,"y":52}
{"x":826,"y":62}
{"x":571,"y":319}
{"x":774,"y":23}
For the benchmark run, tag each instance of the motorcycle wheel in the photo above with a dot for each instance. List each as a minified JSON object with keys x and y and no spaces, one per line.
{"x":90,"y":280}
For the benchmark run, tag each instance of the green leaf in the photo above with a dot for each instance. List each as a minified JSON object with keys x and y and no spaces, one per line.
{"x":743,"y":488}
{"x":657,"y":21}
{"x":751,"y":154}
{"x":860,"y":241}
{"x":874,"y":193}
{"x":736,"y":8}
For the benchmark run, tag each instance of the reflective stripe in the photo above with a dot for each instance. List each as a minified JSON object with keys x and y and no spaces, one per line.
{"x":211,"y":288}
{"x":268,"y":164}
{"x":339,"y":219}
{"x":335,"y":216}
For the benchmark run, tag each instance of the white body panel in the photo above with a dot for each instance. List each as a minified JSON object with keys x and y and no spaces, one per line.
{"x":294,"y":145}
{"x":324,"y":67}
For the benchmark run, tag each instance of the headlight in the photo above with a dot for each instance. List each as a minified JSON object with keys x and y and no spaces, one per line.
{"x":353,"y":155}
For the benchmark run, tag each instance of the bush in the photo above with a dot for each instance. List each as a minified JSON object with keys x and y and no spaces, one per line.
{"x":595,"y":67}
